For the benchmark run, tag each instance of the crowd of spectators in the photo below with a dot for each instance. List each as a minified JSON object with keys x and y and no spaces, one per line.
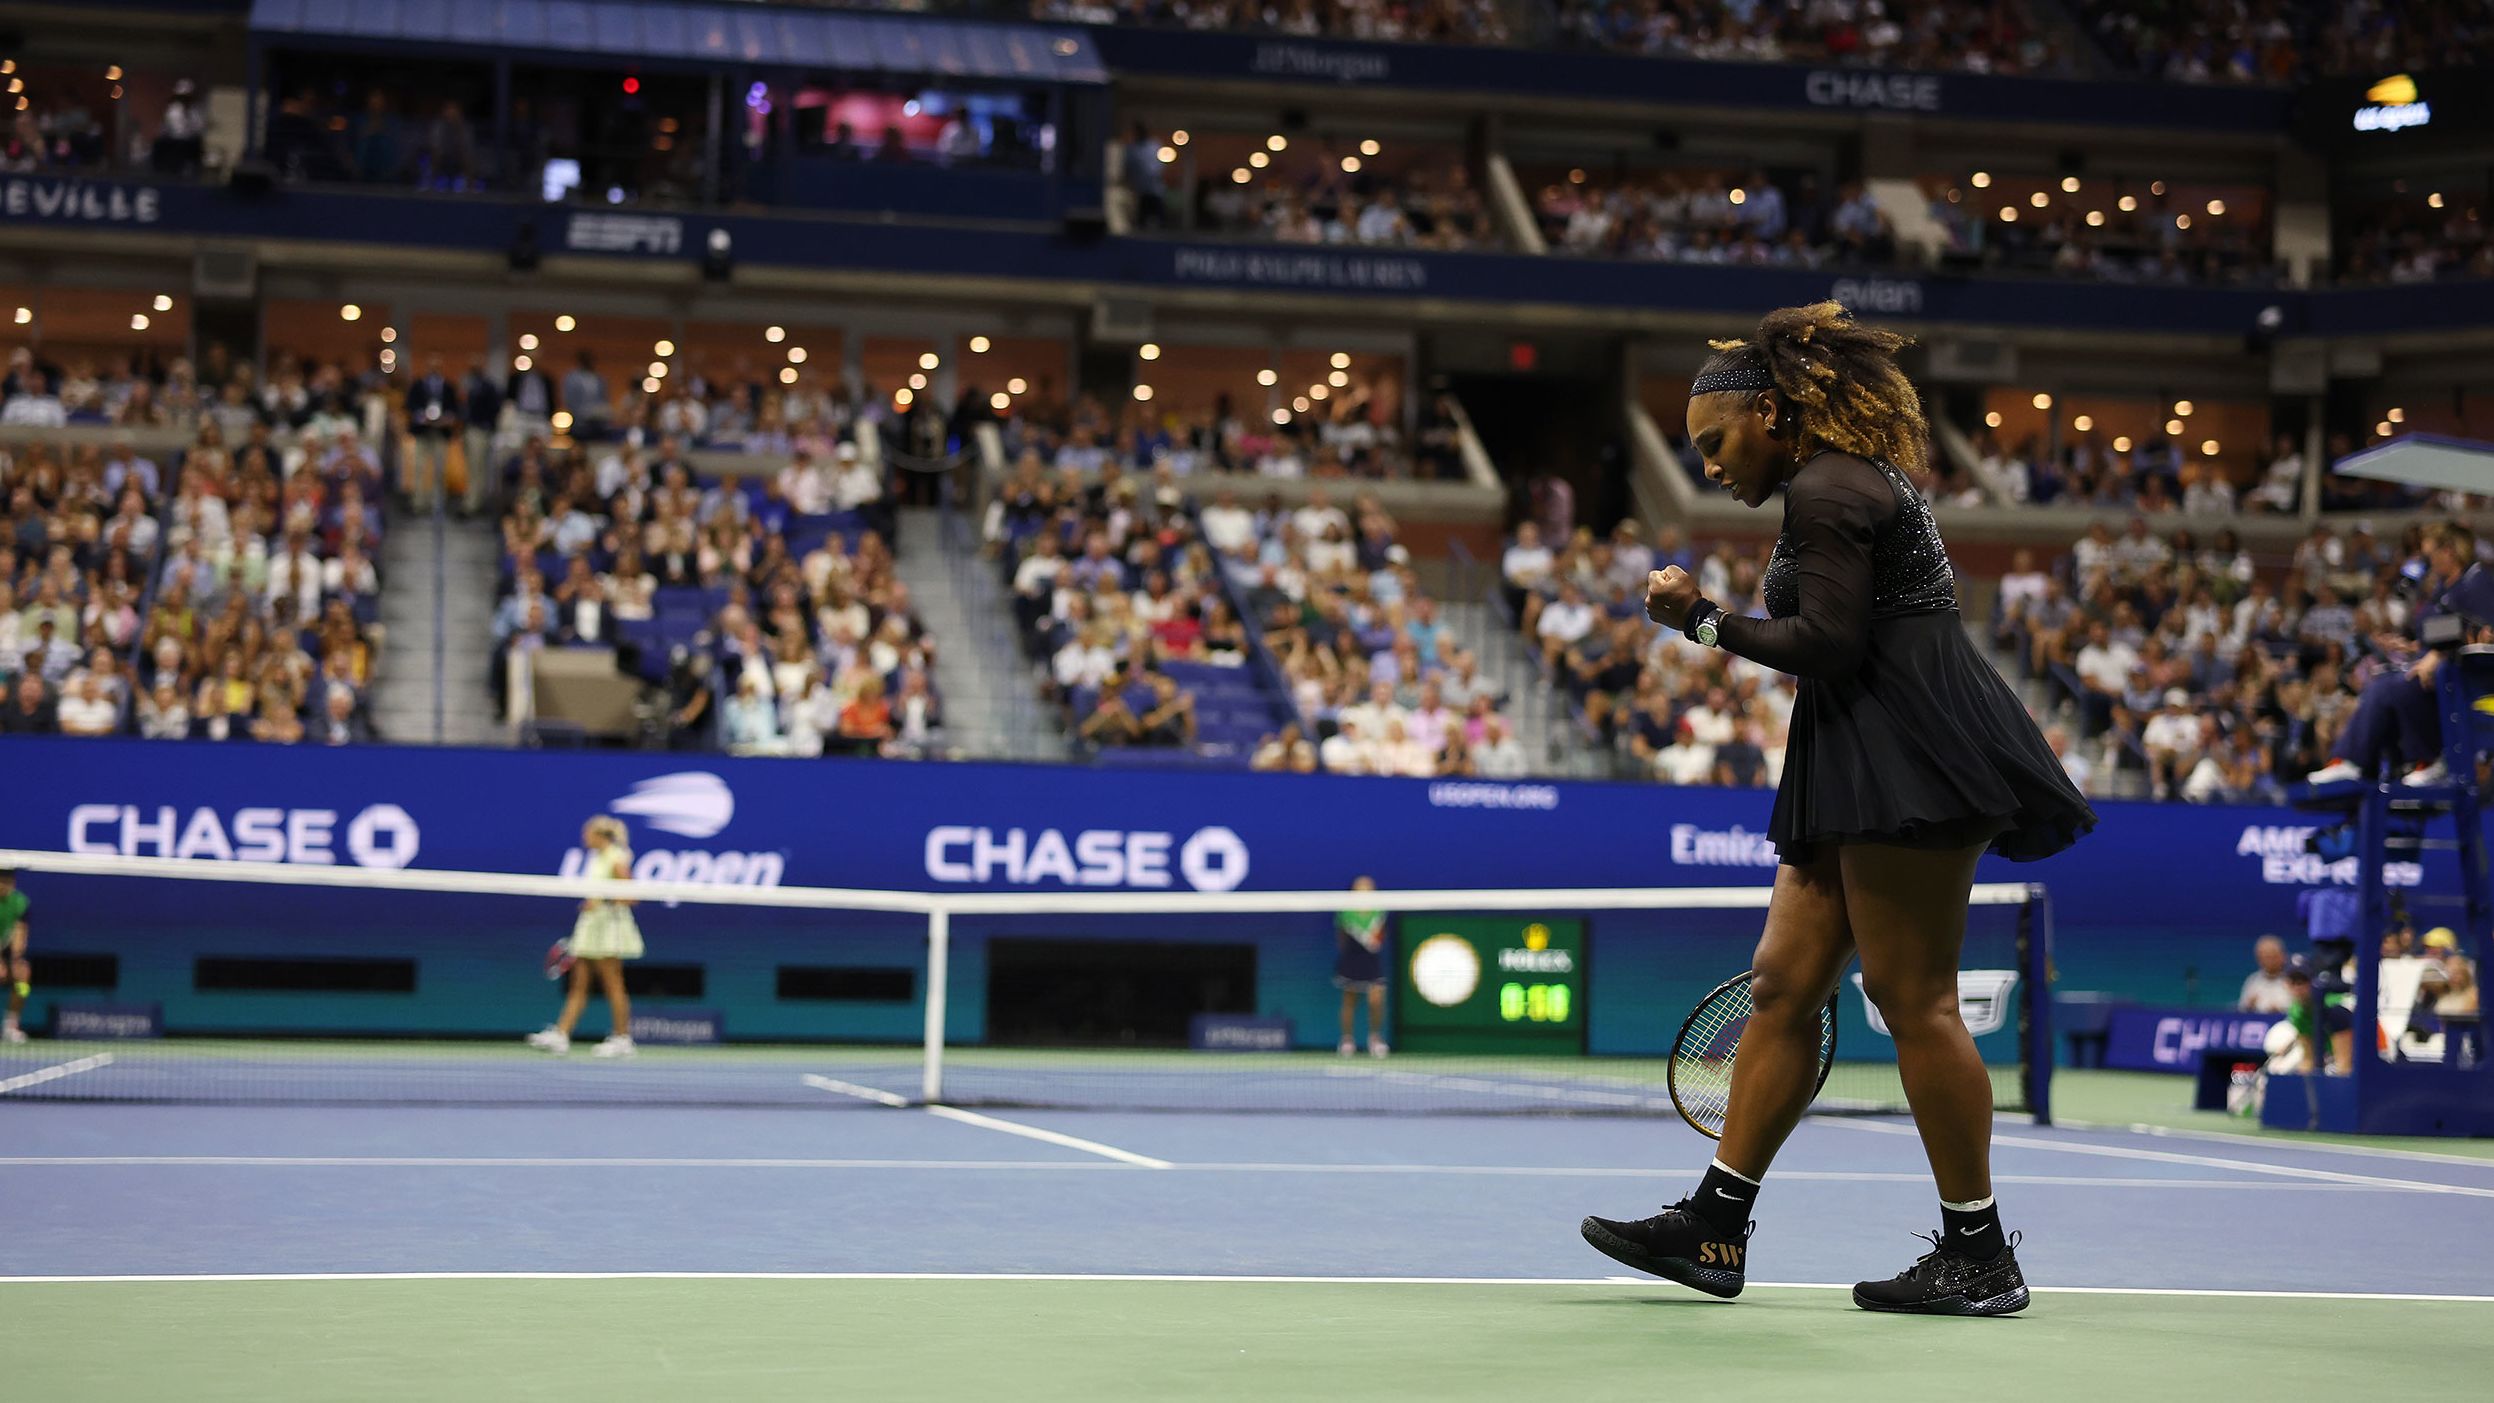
{"x":1380,"y":682}
{"x":59,"y":128}
{"x":1416,"y":21}
{"x":1350,"y":436}
{"x":2187,"y":671}
{"x":228,"y":593}
{"x":1113,"y":586}
{"x":1706,"y":218}
{"x":2116,"y":237}
{"x":2286,"y":41}
{"x":2418,"y":241}
{"x":1315,"y":200}
{"x":1664,"y":708}
{"x":766,"y":606}
{"x":1961,"y":36}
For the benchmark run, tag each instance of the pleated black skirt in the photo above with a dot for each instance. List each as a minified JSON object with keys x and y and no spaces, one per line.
{"x":1924,"y":747}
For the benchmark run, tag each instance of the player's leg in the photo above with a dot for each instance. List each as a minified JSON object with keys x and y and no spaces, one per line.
{"x":1377,"y":1019}
{"x":1703,"y":1240}
{"x":20,"y":976}
{"x":1350,"y":1025}
{"x":1908,"y":908}
{"x":575,"y":998}
{"x":1775,"y":1069}
{"x":610,"y":979}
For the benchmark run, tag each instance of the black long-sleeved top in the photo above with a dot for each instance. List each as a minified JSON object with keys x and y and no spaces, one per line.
{"x":1858,"y":544}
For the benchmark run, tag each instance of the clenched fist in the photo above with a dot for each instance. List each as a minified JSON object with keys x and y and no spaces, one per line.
{"x":1669,"y":595}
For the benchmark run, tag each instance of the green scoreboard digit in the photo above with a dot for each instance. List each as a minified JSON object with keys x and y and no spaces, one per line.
{"x":1490,"y":984}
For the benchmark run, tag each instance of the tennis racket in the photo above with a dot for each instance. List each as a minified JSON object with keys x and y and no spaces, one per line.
{"x":559,"y":958}
{"x":1700,"y":1071}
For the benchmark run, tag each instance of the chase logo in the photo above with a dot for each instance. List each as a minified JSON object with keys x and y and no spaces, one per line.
{"x":689,"y":805}
{"x":2393,"y":104}
{"x":1211,"y":859}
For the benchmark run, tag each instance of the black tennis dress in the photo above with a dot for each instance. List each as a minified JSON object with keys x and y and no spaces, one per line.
{"x":1902,"y":732}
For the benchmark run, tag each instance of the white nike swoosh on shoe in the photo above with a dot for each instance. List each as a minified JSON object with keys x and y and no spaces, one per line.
{"x":1961,"y":1232}
{"x":1726,"y":1193}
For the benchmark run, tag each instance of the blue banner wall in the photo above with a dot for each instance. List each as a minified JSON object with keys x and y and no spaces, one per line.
{"x":393,"y":219}
{"x":2160,"y":906}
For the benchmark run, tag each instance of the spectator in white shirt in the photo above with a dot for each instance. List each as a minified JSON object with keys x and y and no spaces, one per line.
{"x":2265,"y":989}
{"x":2104,"y":663}
{"x":858,"y":485}
{"x":1525,"y":565}
{"x":1085,"y":661}
{"x":1498,"y":755}
{"x":85,"y":710}
{"x":2023,"y":582}
{"x":2281,"y":483}
{"x":2209,"y":494}
{"x":297,"y":576}
{"x":1563,"y":622}
{"x":806,"y":484}
{"x":1346,"y":752}
{"x":163,"y":714}
{"x":1228,"y":527}
{"x":1317,"y":515}
{"x":2172,"y":739}
{"x":2074,"y":763}
{"x":2093,"y":552}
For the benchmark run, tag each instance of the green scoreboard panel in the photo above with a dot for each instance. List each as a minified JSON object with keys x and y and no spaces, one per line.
{"x":1490,"y":984}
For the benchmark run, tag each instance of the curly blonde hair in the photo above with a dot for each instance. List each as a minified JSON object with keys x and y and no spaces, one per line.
{"x":1840,"y":380}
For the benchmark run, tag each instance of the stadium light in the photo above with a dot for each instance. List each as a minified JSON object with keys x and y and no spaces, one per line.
{"x":787,"y":375}
{"x":1149,"y":350}
{"x":2216,"y":206}
{"x":1258,"y":159}
{"x":929,"y":361}
{"x":529,"y":342}
{"x":2083,"y":423}
{"x":2182,"y":409}
{"x":650,"y":385}
{"x":1350,"y":165}
{"x":1281,"y":416}
{"x":979,"y":345}
{"x":1277,"y":143}
{"x":1000,"y":401}
{"x":389,"y":334}
{"x":1264,"y":377}
{"x":1167,"y":154}
{"x":2095,"y":219}
{"x":1992,"y":420}
{"x":2043,"y":401}
{"x":1240,"y":176}
{"x":25,"y":315}
{"x":2397,"y":416}
{"x":1017,"y":385}
{"x":796,"y":355}
{"x":522,"y":363}
{"x":1142,"y":393}
{"x":562,"y":421}
{"x":165,"y":304}
{"x":1342,"y":360}
{"x":2208,"y":447}
{"x":2121,"y":443}
{"x":2173,"y":427}
{"x":1338,"y":379}
{"x":663,"y":349}
{"x":2069,"y":185}
{"x":2008,"y":214}
{"x":658,"y":370}
{"x":917,"y":380}
{"x":2127,"y":203}
{"x":350,"y":312}
{"x":774,"y":334}
{"x":2382,"y":429}
{"x":2039,"y":199}
{"x":138,"y":321}
{"x":1369,"y":147}
{"x":1980,"y":180}
{"x":1179,"y":138}
{"x":566,"y":322}
{"x":903,"y":397}
{"x":2156,"y":187}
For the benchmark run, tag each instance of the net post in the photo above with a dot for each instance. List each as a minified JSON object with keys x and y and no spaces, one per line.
{"x":939,"y":961}
{"x":2035,"y":953}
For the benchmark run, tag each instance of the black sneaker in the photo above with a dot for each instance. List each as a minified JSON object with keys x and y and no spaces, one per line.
{"x":1676,"y":1245}
{"x":1946,"y":1282}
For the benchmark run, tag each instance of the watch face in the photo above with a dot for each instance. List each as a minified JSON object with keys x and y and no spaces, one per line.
{"x":1706,"y":633}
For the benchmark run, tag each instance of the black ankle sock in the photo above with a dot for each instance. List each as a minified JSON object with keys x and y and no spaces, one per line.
{"x":1973,"y":1232}
{"x":1725,"y":1199}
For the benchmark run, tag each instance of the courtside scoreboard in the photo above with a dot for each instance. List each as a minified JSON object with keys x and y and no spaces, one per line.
{"x":1490,"y":984}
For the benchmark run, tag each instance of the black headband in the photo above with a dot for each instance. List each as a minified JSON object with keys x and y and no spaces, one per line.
{"x":1736,"y":376}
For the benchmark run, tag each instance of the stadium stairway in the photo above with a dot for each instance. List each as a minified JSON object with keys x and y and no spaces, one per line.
{"x":989,"y":705}
{"x":402,"y":691}
{"x":1538,"y":709}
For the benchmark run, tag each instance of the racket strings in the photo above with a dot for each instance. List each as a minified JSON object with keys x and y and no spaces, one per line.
{"x":1701,"y":1061}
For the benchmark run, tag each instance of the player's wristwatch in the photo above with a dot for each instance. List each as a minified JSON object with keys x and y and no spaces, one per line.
{"x":1705,"y":621}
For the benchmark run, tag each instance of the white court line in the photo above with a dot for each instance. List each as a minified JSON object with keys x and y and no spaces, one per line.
{"x":1517,"y":1171}
{"x":1006,"y":1127}
{"x":65,"y":1069}
{"x":228,"y":1278}
{"x":2288,"y":1171}
{"x":1047,"y":1137}
{"x":2227,"y":1137}
{"x":850,"y":1088}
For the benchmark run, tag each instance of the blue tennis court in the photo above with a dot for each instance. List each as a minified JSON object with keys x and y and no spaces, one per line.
{"x":931,"y":1220}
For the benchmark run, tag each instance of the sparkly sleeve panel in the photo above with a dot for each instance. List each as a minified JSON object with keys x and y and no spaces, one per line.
{"x":1833,"y":512}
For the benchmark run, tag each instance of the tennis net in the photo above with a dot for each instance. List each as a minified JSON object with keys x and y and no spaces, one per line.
{"x":170,"y":980}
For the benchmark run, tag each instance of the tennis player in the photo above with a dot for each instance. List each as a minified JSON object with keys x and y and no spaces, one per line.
{"x":19,"y":975}
{"x":603,"y":938}
{"x":1908,"y":760}
{"x":1360,"y":966}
